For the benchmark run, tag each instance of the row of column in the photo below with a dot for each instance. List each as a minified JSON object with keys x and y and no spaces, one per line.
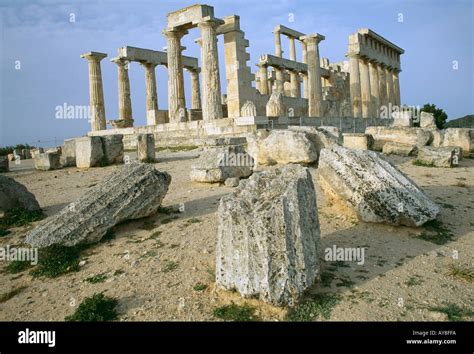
{"x":372,"y":85}
{"x":96,"y":94}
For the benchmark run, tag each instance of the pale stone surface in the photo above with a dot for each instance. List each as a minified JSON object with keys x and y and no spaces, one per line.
{"x":248,"y":109}
{"x":48,"y":161}
{"x":330,"y":129}
{"x":131,"y":192}
{"x":440,"y":156}
{"x":282,"y":146}
{"x":403,"y":135}
{"x":232,"y":182}
{"x":68,"y":153}
{"x":34,"y":153}
{"x":145,"y":148}
{"x":356,"y":141}
{"x":402,"y":119}
{"x":427,"y":120}
{"x":113,"y":149}
{"x":315,"y":95}
{"x":275,"y":106}
{"x":4,"y":165}
{"x":373,"y":188}
{"x":11,"y":157}
{"x":15,"y":195}
{"x":89,"y":152}
{"x":463,"y":137}
{"x":217,"y":164}
{"x":268,"y":236}
{"x":392,"y":148}
{"x":320,"y":137}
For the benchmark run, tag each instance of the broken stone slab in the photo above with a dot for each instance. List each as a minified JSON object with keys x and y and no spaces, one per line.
{"x":89,"y":152}
{"x":220,"y":163}
{"x":392,"y":148}
{"x":330,"y":129}
{"x":282,"y":146}
{"x":359,"y":141}
{"x":132,"y":191}
{"x":366,"y":184}
{"x":15,"y":195}
{"x":448,"y":156}
{"x":402,"y":119}
{"x":427,"y":120}
{"x":463,"y":137}
{"x":4,"y":164}
{"x":268,"y":236}
{"x":68,"y":153}
{"x":146,"y":148}
{"x":47,"y":161}
{"x":403,"y":135}
{"x":113,"y":149}
{"x":232,"y":182}
{"x":321,"y":137}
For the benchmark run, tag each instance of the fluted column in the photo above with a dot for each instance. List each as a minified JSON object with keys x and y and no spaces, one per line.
{"x":364,"y":87}
{"x":263,"y":79}
{"x":396,"y":86}
{"x":295,"y":84}
{"x":315,"y":92}
{"x":354,"y":76}
{"x":211,"y":93}
{"x":124,"y":100}
{"x":304,"y":57}
{"x":390,"y":93}
{"x":96,"y":91}
{"x":151,"y":94}
{"x":279,"y":84}
{"x":176,"y":98}
{"x":195,"y":88}
{"x":383,"y":86}
{"x":374,"y":89}
{"x":278,"y":51}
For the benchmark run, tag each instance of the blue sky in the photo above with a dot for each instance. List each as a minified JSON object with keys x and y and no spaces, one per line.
{"x":40,"y":36}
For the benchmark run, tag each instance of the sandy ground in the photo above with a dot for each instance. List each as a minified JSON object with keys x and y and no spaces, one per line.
{"x":403,"y":276}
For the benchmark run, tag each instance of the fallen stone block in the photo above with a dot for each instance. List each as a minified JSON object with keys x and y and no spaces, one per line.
{"x":4,"y":164}
{"x":392,"y":148}
{"x":402,"y":119}
{"x":232,"y":182}
{"x":15,"y":195}
{"x":439,"y":156}
{"x":132,"y":191}
{"x":113,"y":149}
{"x":217,"y":164}
{"x":146,"y":148}
{"x":427,"y":120}
{"x":322,"y":138}
{"x":359,"y":141}
{"x":410,"y":136}
{"x":89,"y":152}
{"x":36,"y":151}
{"x":268,"y":236}
{"x":68,"y":153}
{"x":462,"y":137}
{"x":368,"y":185}
{"x":47,"y":161}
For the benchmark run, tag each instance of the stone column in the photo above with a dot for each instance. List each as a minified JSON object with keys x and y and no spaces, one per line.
{"x":292,"y":49}
{"x":151,"y":95}
{"x":354,"y":76}
{"x":390,"y":93}
{"x":96,"y":91}
{"x":125,"y":103}
{"x":195,"y":88}
{"x":315,"y":93}
{"x":382,"y":86}
{"x":364,"y":87}
{"x":211,"y":103}
{"x":374,"y":89}
{"x":263,"y":79}
{"x":176,"y":98}
{"x":295,"y":84}
{"x":279,"y":84}
{"x":278,"y":51}
{"x":305,"y":76}
{"x":396,"y":87}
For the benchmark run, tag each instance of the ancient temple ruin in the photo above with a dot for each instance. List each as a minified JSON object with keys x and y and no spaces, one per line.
{"x":277,"y":92}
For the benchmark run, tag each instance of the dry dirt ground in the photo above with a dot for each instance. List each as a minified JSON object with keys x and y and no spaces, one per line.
{"x":153,"y":264}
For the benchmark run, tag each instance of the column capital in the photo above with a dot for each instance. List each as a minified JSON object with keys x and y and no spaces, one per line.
{"x":210,"y":22}
{"x":120,"y":61}
{"x":94,"y":56}
{"x":174,"y":32}
{"x":148,"y":65}
{"x":353,"y":55}
{"x":312,"y":38}
{"x":193,"y":70}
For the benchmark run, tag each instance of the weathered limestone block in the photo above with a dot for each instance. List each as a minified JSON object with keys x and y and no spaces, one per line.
{"x":113,"y":149}
{"x":4,"y":165}
{"x":275,"y":106}
{"x":35,"y":152}
{"x":268,"y":236}
{"x":372,"y":188}
{"x":282,"y":146}
{"x":68,"y":153}
{"x":463,"y":137}
{"x":392,"y":148}
{"x":248,"y":109}
{"x":146,"y":148}
{"x":11,"y":157}
{"x":321,"y":137}
{"x":410,"y":136}
{"x":15,"y":195}
{"x":356,"y":141}
{"x":427,"y":120}
{"x":89,"y":152}
{"x":218,"y":164}
{"x":132,"y":191}
{"x":48,"y":161}
{"x":330,"y":129}
{"x":402,"y":119}
{"x":232,"y":182}
{"x":440,"y":156}
{"x":18,"y":154}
